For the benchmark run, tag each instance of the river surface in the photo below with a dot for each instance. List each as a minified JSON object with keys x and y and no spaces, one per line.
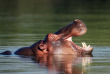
{"x":24,"y":22}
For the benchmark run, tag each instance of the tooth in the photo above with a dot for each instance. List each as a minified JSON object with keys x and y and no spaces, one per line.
{"x":88,"y":46}
{"x":82,"y":44}
{"x":85,"y":44}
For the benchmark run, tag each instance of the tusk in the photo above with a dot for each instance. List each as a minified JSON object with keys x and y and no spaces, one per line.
{"x":84,"y":45}
{"x":88,"y":46}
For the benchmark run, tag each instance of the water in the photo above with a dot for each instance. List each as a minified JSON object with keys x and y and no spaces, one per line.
{"x":24,"y":22}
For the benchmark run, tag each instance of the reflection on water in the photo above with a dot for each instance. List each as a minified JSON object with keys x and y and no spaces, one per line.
{"x":64,"y":64}
{"x":24,"y":22}
{"x":58,"y":64}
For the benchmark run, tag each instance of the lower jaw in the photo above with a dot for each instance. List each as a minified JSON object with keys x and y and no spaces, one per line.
{"x":85,"y":49}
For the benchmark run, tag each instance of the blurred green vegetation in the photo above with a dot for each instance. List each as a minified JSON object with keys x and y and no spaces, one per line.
{"x":28,"y":21}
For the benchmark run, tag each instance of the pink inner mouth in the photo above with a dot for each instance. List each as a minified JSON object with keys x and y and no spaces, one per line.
{"x":84,"y":47}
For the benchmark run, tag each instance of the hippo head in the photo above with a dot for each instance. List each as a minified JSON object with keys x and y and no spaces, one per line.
{"x":61,"y":41}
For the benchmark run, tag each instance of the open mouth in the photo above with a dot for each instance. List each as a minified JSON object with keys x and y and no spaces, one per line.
{"x":85,"y":48}
{"x":84,"y":45}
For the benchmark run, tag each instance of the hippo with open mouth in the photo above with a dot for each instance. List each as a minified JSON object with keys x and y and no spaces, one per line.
{"x":59,"y":42}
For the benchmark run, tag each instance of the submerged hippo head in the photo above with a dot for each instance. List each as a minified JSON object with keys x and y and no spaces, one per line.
{"x":61,"y":41}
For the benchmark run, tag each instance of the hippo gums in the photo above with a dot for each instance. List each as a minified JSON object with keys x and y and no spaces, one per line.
{"x":59,"y":42}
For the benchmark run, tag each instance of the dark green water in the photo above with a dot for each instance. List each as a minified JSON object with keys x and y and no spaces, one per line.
{"x":24,"y":22}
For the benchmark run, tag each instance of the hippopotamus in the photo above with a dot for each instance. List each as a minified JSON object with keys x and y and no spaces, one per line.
{"x":59,"y":42}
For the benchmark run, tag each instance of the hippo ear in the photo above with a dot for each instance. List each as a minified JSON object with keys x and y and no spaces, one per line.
{"x":41,"y":45}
